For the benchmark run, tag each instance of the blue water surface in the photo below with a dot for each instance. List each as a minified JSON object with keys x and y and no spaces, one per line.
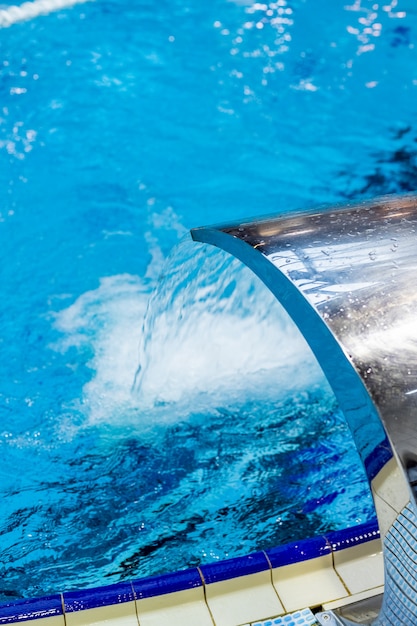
{"x":122,"y":125}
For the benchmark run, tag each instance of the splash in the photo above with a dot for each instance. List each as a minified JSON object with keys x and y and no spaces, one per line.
{"x":104,"y":324}
{"x":214,"y":333}
{"x":209,"y":336}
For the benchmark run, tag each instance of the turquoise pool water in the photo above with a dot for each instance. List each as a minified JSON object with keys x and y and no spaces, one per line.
{"x":120,"y":128}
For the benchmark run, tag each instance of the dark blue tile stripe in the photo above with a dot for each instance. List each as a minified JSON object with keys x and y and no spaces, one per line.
{"x":188,"y":579}
{"x":377,"y":459}
{"x":37,"y":608}
{"x":233,"y":568}
{"x":168,"y":583}
{"x":349,"y":537}
{"x":97,"y":597}
{"x":296,"y":552}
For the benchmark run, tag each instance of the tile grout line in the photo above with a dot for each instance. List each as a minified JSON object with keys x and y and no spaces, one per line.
{"x":135,"y":601}
{"x":272,"y":582}
{"x":205,"y":595}
{"x":63,"y":608}
{"x":335,"y":570}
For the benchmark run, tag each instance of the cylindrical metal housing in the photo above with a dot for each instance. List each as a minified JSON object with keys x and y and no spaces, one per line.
{"x":348,"y":278}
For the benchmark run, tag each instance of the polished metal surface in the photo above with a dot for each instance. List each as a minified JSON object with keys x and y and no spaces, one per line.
{"x":348,"y":278}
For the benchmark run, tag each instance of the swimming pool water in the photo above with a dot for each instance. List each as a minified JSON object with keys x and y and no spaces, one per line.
{"x":121,"y":126}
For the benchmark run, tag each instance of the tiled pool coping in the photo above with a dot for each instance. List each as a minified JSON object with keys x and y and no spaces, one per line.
{"x":204,"y":576}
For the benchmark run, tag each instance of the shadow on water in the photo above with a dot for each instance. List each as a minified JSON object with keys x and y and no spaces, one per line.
{"x":395,"y":170}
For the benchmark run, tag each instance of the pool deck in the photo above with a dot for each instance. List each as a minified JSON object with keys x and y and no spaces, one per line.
{"x":327,"y":572}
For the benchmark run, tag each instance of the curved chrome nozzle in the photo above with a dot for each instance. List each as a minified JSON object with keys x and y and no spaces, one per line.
{"x":348,"y":278}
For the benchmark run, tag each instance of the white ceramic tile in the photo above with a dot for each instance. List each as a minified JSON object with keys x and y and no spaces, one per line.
{"x":360,"y":567}
{"x":309,"y":583}
{"x":123,"y":614}
{"x":369,"y":593}
{"x":182,"y":608}
{"x":244,"y":599}
{"x":362,"y":610}
{"x":390,"y":484}
{"x":386,"y":514}
{"x":55,"y":620}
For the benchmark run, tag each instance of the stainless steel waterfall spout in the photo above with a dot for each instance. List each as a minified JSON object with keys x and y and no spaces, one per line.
{"x":348,"y":278}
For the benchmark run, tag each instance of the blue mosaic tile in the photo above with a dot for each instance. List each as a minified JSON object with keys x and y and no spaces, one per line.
{"x":98,"y":597}
{"x":37,"y":608}
{"x":167,"y":583}
{"x":233,"y":568}
{"x":298,"y":551}
{"x":300,"y":618}
{"x":400,"y":558}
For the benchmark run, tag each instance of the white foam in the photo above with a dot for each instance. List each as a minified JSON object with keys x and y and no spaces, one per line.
{"x":108,"y":322}
{"x":214,"y":351}
{"x":221,"y":356}
{"x":28,"y":10}
{"x":215,"y":332}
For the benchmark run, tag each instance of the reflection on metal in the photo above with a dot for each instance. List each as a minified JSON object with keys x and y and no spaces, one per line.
{"x":348,"y":278}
